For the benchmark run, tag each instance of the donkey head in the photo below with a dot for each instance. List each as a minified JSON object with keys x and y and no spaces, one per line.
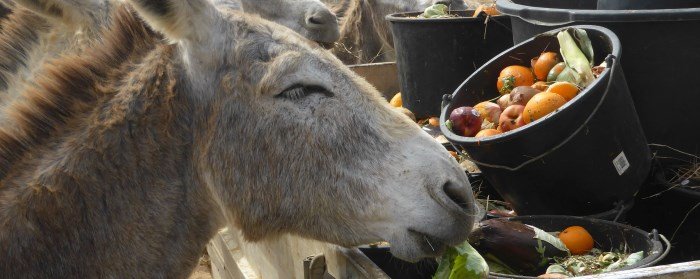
{"x":310,"y":18}
{"x":288,"y":140}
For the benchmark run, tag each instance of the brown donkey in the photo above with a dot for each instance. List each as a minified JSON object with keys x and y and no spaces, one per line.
{"x":39,"y":31}
{"x":126,"y":169}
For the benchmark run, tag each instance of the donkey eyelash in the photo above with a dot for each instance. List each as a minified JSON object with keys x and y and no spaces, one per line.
{"x":298,"y":91}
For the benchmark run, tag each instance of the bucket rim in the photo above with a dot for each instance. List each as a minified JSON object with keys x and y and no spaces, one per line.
{"x":558,"y":16}
{"x":660,"y":245}
{"x":659,"y":177}
{"x":472,"y":141}
{"x":403,"y":17}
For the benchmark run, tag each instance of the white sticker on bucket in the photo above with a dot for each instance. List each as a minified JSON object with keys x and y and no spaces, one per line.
{"x":621,"y":163}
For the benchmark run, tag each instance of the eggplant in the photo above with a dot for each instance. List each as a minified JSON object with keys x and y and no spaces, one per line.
{"x":524,"y":249}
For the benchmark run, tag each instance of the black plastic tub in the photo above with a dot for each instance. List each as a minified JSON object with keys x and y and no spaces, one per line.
{"x":661,"y":55}
{"x":434,"y":55}
{"x":613,"y":236}
{"x":484,"y":190}
{"x":608,"y":236}
{"x":672,"y":208}
{"x":581,"y":160}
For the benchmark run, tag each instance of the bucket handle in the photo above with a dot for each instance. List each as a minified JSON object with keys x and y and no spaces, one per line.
{"x":609,"y":60}
{"x":656,"y":236}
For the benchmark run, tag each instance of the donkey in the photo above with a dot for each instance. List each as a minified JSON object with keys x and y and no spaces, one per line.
{"x":42,"y":30}
{"x":365,"y":35}
{"x":310,"y":18}
{"x":128,"y":170}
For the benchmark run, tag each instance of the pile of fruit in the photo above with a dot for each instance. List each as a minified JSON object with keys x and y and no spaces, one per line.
{"x":509,"y":247}
{"x":530,"y":93}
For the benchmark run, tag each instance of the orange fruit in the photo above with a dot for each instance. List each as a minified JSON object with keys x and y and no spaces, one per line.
{"x":491,"y":10}
{"x":540,"y":85}
{"x":454,"y":154}
{"x":488,"y":9}
{"x":543,"y":64}
{"x":565,"y":89}
{"x":434,"y":121}
{"x":512,"y":77}
{"x":577,"y":239}
{"x":542,"y":104}
{"x":487,"y":133}
{"x":396,"y":100}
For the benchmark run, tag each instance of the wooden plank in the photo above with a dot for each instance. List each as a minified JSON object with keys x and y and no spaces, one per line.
{"x":281,"y":257}
{"x":226,"y":260}
{"x":687,"y":270}
{"x":383,"y":76}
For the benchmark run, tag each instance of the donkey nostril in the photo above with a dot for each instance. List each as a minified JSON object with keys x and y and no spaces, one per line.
{"x":458,"y":195}
{"x":321,"y":18}
{"x":315,"y":20}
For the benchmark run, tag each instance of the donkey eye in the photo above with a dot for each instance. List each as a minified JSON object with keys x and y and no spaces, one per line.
{"x":298,"y":91}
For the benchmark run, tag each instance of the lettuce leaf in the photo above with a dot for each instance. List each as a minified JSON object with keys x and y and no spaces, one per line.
{"x":462,"y":262}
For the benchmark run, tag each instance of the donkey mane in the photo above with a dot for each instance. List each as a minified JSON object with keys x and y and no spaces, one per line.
{"x":19,"y":30}
{"x":70,"y":86}
{"x":363,"y":36}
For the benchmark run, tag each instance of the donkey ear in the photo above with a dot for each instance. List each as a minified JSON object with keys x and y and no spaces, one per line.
{"x":179,"y":19}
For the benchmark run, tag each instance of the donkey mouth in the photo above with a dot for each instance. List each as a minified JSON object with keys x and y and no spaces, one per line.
{"x":326,"y":45}
{"x":429,"y":245}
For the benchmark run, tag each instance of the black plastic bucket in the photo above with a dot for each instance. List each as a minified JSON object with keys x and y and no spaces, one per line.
{"x":434,"y":55}
{"x":661,"y":55}
{"x":655,"y":246}
{"x":579,"y":161}
{"x":609,"y":235}
{"x":672,"y":208}
{"x":484,"y":190}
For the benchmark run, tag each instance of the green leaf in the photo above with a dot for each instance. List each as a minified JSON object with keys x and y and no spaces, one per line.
{"x":557,"y":269}
{"x":469,"y":264}
{"x":461,"y":262}
{"x":435,"y":11}
{"x":508,"y":84}
{"x":574,"y":56}
{"x":445,"y":267}
{"x":547,"y":237}
{"x":630,"y":260}
{"x":584,"y":44}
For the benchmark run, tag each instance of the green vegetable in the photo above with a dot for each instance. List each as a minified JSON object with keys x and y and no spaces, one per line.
{"x":435,"y":11}
{"x":576,"y":58}
{"x":555,"y":71}
{"x":584,"y":44}
{"x":462,"y":262}
{"x":568,"y":75}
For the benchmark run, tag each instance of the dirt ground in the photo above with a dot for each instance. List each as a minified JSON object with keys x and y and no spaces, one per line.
{"x":203,"y":269}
